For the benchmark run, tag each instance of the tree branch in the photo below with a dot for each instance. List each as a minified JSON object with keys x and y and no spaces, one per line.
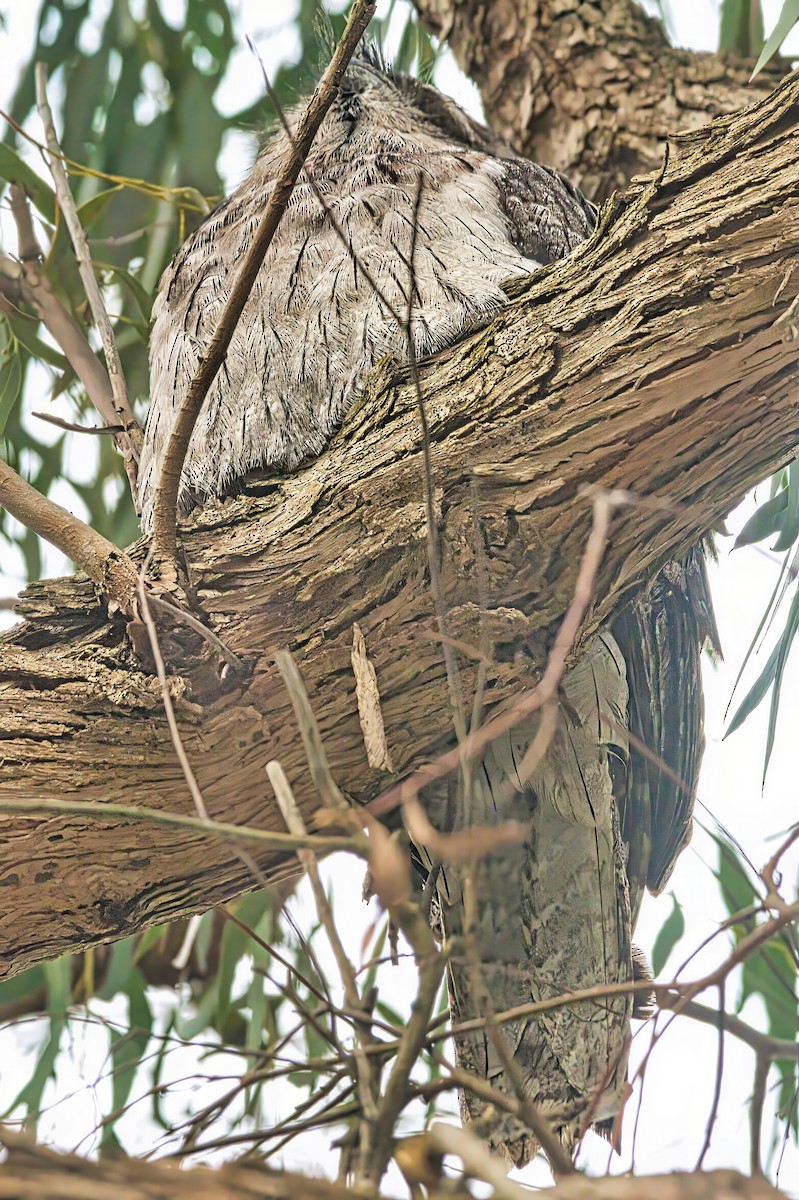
{"x":592,"y":88}
{"x":30,"y":285}
{"x":651,"y":361}
{"x":110,"y":569}
{"x":35,"y":1173}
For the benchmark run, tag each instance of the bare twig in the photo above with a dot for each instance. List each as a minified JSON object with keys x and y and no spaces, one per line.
{"x":674,"y":996}
{"x":756,"y":1105}
{"x":285,"y":843}
{"x":477,"y":1161}
{"x":772,"y":1049}
{"x":365,"y":1075}
{"x":187,"y":618}
{"x":273,"y":952}
{"x":165,"y":516}
{"x":770,"y":872}
{"x":318,"y":765}
{"x":109,"y":567}
{"x":431,"y":523}
{"x":122,"y":408}
{"x":72,"y":427}
{"x":463,"y":844}
{"x":160,"y":670}
{"x":188,"y":774}
{"x":714,"y":1106}
{"x":430,"y":963}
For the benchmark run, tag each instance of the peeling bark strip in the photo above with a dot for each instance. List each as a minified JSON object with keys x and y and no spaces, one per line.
{"x":651,"y":361}
{"x":35,"y":1173}
{"x":591,"y":87}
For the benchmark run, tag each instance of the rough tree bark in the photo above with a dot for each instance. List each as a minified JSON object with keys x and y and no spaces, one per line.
{"x":34,"y":1173}
{"x":591,"y":87}
{"x":658,"y":359}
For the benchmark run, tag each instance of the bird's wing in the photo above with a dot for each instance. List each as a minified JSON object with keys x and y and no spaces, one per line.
{"x":661,"y":636}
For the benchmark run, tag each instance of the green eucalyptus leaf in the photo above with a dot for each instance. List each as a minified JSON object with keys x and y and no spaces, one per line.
{"x":790,"y":524}
{"x":789,"y":15}
{"x":669,"y":934}
{"x":737,"y":889}
{"x":14,"y":170}
{"x":25,"y":332}
{"x":127,"y":1051}
{"x":767,"y":519}
{"x":11,"y":376}
{"x":741,"y":27}
{"x":91,"y":210}
{"x":756,"y":693}
{"x":142,"y":297}
{"x":57,"y":978}
{"x":120,"y":969}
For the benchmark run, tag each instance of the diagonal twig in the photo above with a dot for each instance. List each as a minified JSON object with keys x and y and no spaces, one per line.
{"x":165,"y":516}
{"x":122,"y":408}
{"x":32,"y":286}
{"x":366,"y":1078}
{"x":316,"y":757}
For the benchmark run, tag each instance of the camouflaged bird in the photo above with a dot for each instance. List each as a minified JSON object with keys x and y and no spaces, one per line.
{"x":556,"y":913}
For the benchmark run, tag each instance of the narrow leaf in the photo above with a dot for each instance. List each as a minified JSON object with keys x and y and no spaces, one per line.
{"x":14,"y":170}
{"x":668,"y":936}
{"x":787,"y":19}
{"x":767,"y":519}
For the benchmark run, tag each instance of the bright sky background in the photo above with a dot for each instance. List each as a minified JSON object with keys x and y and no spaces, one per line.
{"x":680,"y":1074}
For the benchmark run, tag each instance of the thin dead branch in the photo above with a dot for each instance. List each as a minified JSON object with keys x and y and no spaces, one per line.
{"x":31,"y":286}
{"x":329,"y":791}
{"x":366,"y":1079}
{"x":412,"y":921}
{"x":73,"y":427}
{"x":267,"y":839}
{"x":165,"y":516}
{"x":122,"y":408}
{"x":476,"y":1159}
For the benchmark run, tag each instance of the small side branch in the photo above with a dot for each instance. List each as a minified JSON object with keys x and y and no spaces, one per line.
{"x":102,"y":561}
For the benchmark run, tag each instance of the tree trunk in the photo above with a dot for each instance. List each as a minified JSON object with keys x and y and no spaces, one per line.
{"x":591,"y":87}
{"x":658,"y":359}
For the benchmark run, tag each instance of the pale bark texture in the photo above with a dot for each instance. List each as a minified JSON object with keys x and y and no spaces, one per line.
{"x":658,"y":359}
{"x":591,"y":87}
{"x":35,"y":1173}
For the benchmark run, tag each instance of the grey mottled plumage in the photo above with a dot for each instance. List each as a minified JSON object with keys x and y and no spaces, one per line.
{"x":556,"y":913}
{"x":312,"y":326}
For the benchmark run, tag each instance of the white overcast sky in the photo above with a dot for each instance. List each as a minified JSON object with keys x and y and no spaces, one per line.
{"x":679,"y":1080}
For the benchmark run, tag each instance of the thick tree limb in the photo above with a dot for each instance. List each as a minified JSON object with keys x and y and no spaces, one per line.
{"x":656,"y":360}
{"x":592,"y":88}
{"x":35,"y":1172}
